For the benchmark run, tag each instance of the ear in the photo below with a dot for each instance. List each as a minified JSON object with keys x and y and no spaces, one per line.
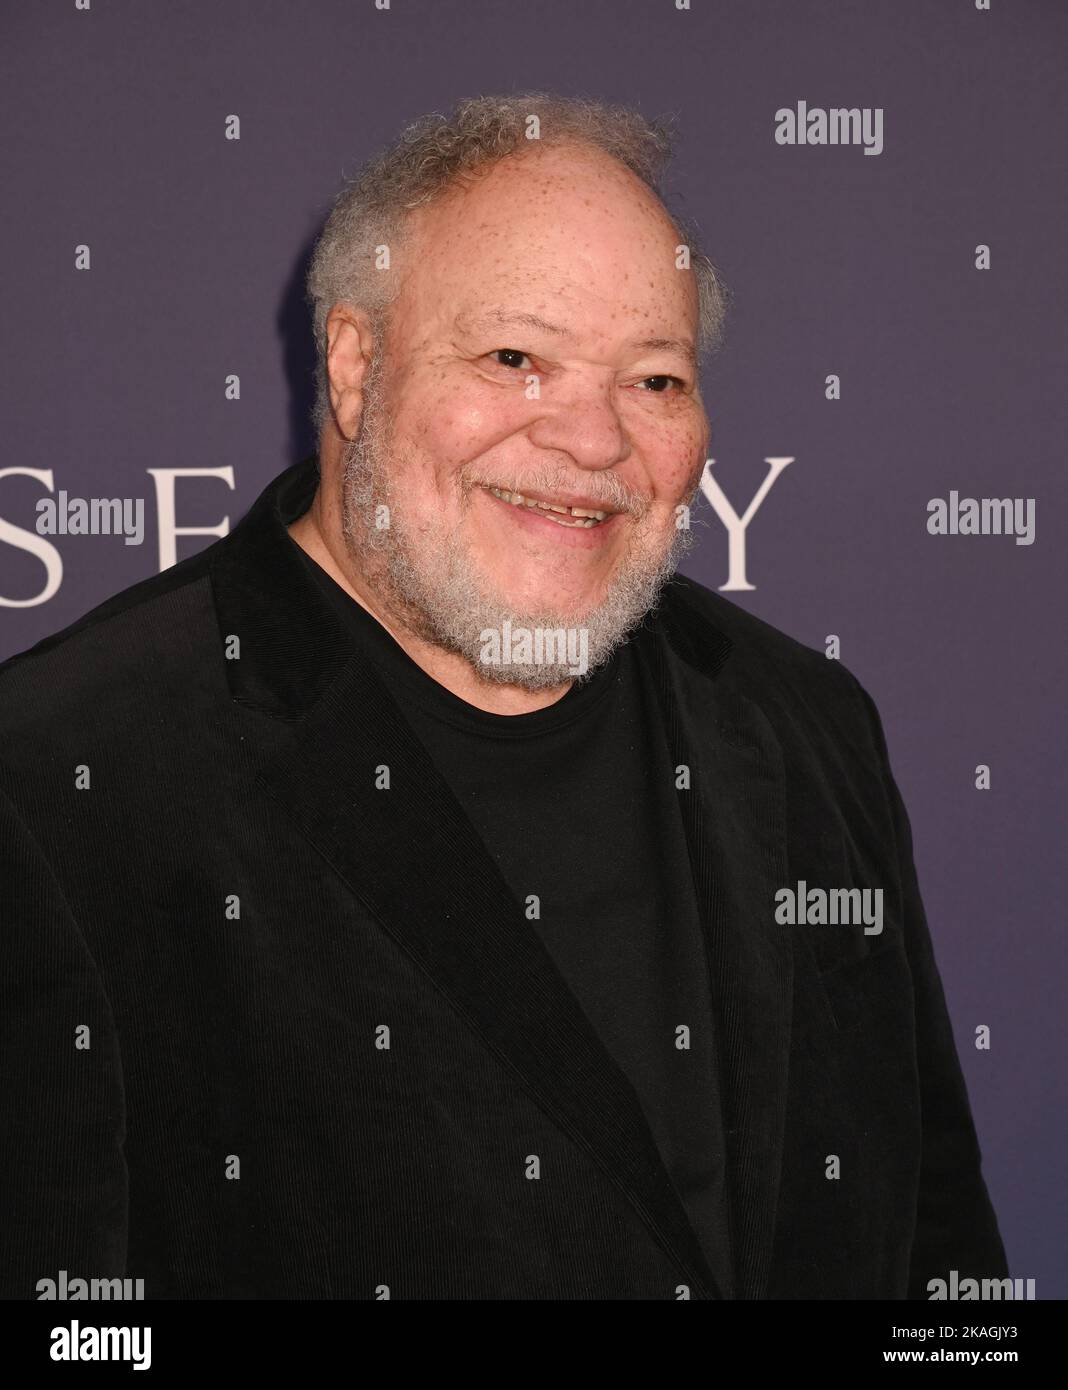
{"x":349,"y":342}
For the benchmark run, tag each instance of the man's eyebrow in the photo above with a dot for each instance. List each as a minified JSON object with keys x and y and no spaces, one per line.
{"x":684,"y":349}
{"x":501,"y":317}
{"x":506,"y":316}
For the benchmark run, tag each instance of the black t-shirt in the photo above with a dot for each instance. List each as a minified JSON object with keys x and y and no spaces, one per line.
{"x":576,"y":804}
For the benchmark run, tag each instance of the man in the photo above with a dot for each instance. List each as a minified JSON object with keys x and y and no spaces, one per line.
{"x":395,"y":890}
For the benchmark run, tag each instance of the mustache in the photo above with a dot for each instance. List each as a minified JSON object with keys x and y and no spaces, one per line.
{"x":605,"y":489}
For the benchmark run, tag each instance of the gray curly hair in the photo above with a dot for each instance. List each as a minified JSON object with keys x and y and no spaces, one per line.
{"x":435,"y":153}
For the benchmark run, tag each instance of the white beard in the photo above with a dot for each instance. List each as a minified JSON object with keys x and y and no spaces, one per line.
{"x":443,"y":597}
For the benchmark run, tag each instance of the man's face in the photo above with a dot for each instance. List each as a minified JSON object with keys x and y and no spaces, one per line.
{"x":541,"y":346}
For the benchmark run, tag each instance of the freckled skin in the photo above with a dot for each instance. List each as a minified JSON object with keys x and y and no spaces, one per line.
{"x":573,"y":237}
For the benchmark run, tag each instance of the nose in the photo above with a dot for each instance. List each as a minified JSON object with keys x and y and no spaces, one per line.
{"x":585,"y":424}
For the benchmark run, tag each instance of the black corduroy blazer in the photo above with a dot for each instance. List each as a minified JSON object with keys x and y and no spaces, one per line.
{"x":273,"y":1030}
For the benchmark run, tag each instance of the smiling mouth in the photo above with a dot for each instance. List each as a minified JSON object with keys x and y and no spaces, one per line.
{"x":573,"y":517}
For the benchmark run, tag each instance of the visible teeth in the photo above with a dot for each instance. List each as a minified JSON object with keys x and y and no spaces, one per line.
{"x":583,"y":517}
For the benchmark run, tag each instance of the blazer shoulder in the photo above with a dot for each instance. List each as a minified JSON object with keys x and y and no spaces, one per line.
{"x":757,"y":645}
{"x":792,"y":682}
{"x":137,"y":639}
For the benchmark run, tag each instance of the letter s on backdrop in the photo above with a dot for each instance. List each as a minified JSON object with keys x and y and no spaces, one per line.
{"x":22,"y":539}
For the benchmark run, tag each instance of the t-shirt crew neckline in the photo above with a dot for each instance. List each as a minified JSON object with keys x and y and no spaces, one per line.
{"x":398,"y":669}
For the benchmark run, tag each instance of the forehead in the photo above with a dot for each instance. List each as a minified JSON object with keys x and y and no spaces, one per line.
{"x":566,"y":235}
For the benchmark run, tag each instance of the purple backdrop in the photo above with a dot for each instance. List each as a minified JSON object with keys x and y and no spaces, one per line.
{"x":952,"y":377}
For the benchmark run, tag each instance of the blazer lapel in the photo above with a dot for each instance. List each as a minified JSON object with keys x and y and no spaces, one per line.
{"x":412,"y":858}
{"x":735,"y":821}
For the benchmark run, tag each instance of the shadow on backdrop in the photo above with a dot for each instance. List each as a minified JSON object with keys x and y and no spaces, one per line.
{"x":298,"y":355}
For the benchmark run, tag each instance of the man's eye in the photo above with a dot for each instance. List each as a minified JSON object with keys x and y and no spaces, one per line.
{"x":509,"y":353}
{"x":659,"y":389}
